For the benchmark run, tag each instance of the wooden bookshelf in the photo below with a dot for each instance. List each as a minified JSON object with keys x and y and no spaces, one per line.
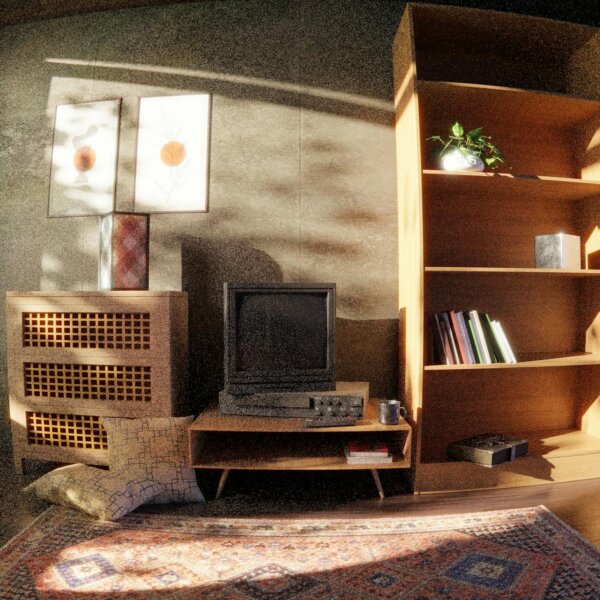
{"x":467,"y":239}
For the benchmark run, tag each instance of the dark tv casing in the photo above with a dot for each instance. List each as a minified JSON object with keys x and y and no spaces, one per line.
{"x":279,"y":337}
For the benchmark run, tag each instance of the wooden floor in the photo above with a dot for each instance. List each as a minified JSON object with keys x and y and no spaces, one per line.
{"x":341,"y":494}
{"x":576,"y":503}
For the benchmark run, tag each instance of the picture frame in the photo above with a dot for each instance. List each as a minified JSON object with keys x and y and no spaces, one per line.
{"x":124,"y":251}
{"x":172,"y":155}
{"x":84,"y":159}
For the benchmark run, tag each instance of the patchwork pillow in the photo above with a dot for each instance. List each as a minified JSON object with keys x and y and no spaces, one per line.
{"x":154,"y":448}
{"x":100,"y":493}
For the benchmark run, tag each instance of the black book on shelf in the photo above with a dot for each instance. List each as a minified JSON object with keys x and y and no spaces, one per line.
{"x":488,"y":449}
{"x":442,"y":335}
{"x":438,"y":355}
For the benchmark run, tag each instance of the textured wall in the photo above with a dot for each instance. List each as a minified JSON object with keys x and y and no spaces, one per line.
{"x":302,"y":175}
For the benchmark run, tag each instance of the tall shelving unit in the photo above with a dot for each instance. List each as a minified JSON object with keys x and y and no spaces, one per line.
{"x":467,"y":239}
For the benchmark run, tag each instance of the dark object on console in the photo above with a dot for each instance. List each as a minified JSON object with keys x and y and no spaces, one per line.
{"x":279,"y":337}
{"x":488,"y":449}
{"x":317,"y":422}
{"x":347,"y":400}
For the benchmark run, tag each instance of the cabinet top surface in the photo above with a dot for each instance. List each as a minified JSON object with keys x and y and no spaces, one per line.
{"x":212,"y":420}
{"x":107,"y":294}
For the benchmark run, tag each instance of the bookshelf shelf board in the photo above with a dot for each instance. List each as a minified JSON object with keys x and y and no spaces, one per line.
{"x":530,"y":361}
{"x":555,"y":443}
{"x":554,"y":456}
{"x":513,"y":271}
{"x":528,"y":108}
{"x":453,"y":185}
{"x":561,"y":442}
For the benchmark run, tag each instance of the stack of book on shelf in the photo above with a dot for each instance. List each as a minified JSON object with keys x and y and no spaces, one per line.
{"x":361,"y":452}
{"x":468,"y":338}
{"x":488,"y":449}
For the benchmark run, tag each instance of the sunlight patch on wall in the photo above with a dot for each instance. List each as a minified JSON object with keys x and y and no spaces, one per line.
{"x":308,"y":190}
{"x":84,"y":158}
{"x":281,"y":86}
{"x":71,"y":253}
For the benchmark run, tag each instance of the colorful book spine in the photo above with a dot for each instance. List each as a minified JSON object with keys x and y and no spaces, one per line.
{"x":474,"y":338}
{"x":505,"y":345}
{"x":461,"y":341}
{"x":453,"y":345}
{"x":462,"y":325}
{"x":468,"y":337}
{"x":487,"y":359}
{"x":490,"y":336}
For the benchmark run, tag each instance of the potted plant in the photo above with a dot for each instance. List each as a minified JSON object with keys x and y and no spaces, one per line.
{"x":472,"y":151}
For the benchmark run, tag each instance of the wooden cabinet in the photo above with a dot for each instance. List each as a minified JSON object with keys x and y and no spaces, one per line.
{"x":239,"y":442}
{"x":467,"y":239}
{"x":74,"y":357}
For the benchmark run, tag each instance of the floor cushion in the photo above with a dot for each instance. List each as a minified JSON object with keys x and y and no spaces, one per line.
{"x":154,"y":448}
{"x":98,"y":492}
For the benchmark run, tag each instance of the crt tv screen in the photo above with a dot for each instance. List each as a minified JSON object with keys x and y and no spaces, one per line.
{"x":279,"y":337}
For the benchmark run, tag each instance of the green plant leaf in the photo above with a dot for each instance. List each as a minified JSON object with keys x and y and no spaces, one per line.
{"x":457,"y":129}
{"x":475,"y":134}
{"x":436,"y":138}
{"x":474,"y":142}
{"x":493,"y":161}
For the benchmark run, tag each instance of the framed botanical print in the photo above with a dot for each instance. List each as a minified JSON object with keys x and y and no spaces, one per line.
{"x":173,"y":154}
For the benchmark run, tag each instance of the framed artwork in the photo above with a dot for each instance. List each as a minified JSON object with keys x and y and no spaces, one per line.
{"x":124,"y":251}
{"x":173,"y":154}
{"x":84,"y":159}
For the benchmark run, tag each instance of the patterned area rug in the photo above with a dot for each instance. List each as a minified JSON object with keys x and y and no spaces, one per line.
{"x":516,"y":554}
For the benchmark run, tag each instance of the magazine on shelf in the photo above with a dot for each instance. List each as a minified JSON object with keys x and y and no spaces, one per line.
{"x":367,"y":460}
{"x":367,"y":448}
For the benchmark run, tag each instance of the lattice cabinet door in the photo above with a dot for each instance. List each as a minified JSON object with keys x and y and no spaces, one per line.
{"x":74,"y":357}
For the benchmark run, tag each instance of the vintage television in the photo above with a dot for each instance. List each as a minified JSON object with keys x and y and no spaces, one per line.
{"x":279,"y":337}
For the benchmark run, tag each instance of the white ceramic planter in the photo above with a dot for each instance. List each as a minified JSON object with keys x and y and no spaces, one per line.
{"x":455,"y":160}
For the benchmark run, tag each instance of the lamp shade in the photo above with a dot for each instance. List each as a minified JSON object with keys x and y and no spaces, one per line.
{"x":124,"y":251}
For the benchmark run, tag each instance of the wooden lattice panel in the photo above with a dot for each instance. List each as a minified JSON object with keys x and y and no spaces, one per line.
{"x":111,"y":383}
{"x":113,"y":354}
{"x":65,"y":431}
{"x":103,"y":330}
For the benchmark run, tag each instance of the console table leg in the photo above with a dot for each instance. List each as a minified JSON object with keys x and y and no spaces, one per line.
{"x":222,"y":481}
{"x":377,"y":481}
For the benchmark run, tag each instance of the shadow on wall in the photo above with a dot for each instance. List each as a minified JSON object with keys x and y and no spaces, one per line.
{"x":366,"y":350}
{"x":206,"y":266}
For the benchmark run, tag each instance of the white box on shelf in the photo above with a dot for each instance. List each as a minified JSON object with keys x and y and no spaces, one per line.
{"x":558,"y":251}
